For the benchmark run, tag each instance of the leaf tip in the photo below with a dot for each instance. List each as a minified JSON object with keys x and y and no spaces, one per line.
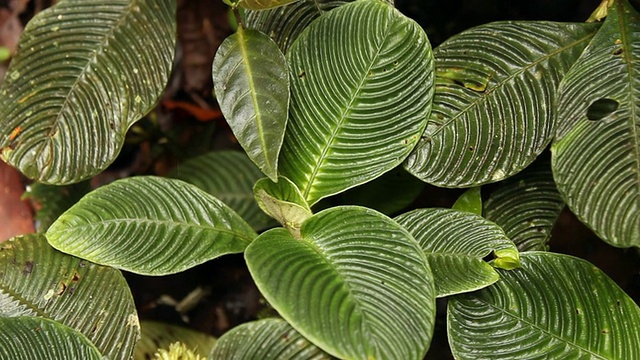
{"x":507,"y":259}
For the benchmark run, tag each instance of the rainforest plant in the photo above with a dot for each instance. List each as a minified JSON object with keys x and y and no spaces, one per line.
{"x":328,"y":98}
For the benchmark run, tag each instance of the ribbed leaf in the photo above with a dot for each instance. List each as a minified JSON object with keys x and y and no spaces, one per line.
{"x":263,"y":4}
{"x":51,"y":201}
{"x":284,"y":202}
{"x":470,"y":201}
{"x":155,"y":335}
{"x":596,"y":155}
{"x":284,"y":24}
{"x":527,"y":206}
{"x":352,"y":122}
{"x":267,"y":339}
{"x":554,"y":307}
{"x":28,"y":338}
{"x":150,"y":225}
{"x":356,"y":284}
{"x":36,"y":280}
{"x":251,"y":83}
{"x":228,"y":176}
{"x":493,"y":110}
{"x":455,"y":243}
{"x":84,"y":72}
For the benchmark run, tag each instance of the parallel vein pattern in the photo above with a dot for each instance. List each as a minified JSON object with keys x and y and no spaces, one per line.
{"x":150,"y":225}
{"x":554,"y":307}
{"x":357,"y":284}
{"x":36,"y":280}
{"x":361,"y":93}
{"x":596,"y":164}
{"x":78,"y":82}
{"x":493,"y":109}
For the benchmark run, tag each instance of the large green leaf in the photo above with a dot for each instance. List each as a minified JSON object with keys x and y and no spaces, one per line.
{"x":554,"y":307}
{"x":356,"y":284}
{"x":156,"y":335}
{"x":267,"y":339}
{"x":28,"y":338}
{"x":84,"y":72}
{"x":229,"y":176}
{"x":527,"y":206}
{"x":150,"y":225}
{"x":251,"y":83}
{"x":596,"y":155}
{"x":359,"y":100}
{"x":493,"y":110}
{"x":36,"y":280}
{"x":455,"y":243}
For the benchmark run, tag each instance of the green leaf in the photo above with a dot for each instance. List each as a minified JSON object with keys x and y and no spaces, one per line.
{"x":350,"y":124}
{"x":455,"y":243}
{"x":36,"y":280}
{"x":527,"y":206}
{"x":229,"y":176}
{"x":5,"y":54}
{"x":470,"y":201}
{"x":263,"y":4}
{"x":356,"y":284}
{"x":51,"y":201}
{"x":267,"y":339}
{"x":284,"y":202}
{"x":596,"y":154}
{"x":151,"y":226}
{"x":493,"y":111}
{"x":156,"y":335}
{"x":37,"y":338}
{"x":554,"y":307}
{"x":83,"y":73}
{"x":251,"y":83}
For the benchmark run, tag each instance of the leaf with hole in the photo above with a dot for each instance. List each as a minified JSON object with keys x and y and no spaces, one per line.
{"x":596,"y":153}
{"x":553,"y":307}
{"x":455,"y":243}
{"x":151,"y":226}
{"x":75,"y":86}
{"x":356,"y":284}
{"x":493,"y":111}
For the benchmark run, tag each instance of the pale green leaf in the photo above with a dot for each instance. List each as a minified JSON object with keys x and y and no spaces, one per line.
{"x":284,"y":202}
{"x":470,"y":201}
{"x":36,"y":280}
{"x":267,"y":339}
{"x":263,"y":4}
{"x":596,"y":154}
{"x":229,"y":176}
{"x":356,"y":284}
{"x":251,"y":83}
{"x":150,"y":225}
{"x":156,"y":335}
{"x":554,"y":307}
{"x":83,"y":73}
{"x":351,"y":123}
{"x":455,"y":243}
{"x":28,"y":338}
{"x":493,"y":111}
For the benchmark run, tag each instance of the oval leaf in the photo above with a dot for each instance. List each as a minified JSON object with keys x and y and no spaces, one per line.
{"x":37,"y":280}
{"x":84,"y":72}
{"x":151,"y":226}
{"x":263,"y":4}
{"x":156,"y":335}
{"x":284,"y":202}
{"x":527,"y":206}
{"x":554,"y":307}
{"x":493,"y":107}
{"x":251,"y":83}
{"x":596,"y":155}
{"x":228,"y":176}
{"x":455,"y":244}
{"x":37,"y":338}
{"x":267,"y":339}
{"x":351,"y":123}
{"x":356,"y":284}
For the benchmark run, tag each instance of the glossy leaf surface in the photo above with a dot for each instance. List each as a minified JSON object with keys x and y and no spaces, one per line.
{"x":37,"y":280}
{"x":84,"y":72}
{"x":470,"y":201}
{"x":359,"y":102}
{"x":493,"y":110}
{"x":455,"y":243}
{"x":151,"y":226}
{"x":356,"y":284}
{"x":596,"y":155}
{"x":554,"y":307}
{"x":251,"y":83}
